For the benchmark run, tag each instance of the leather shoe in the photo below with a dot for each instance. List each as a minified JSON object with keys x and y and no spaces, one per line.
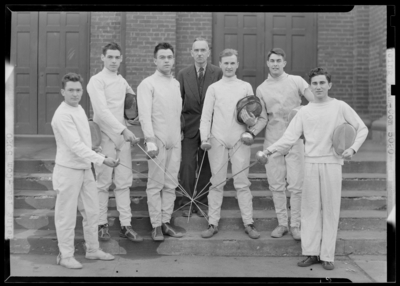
{"x":295,"y":231}
{"x":251,"y":231}
{"x":212,"y":229}
{"x":98,"y":254}
{"x":104,"y":235}
{"x":201,"y":212}
{"x":129,"y":233}
{"x":327,"y":265}
{"x":69,"y":262}
{"x":186,"y":213}
{"x":157,"y":234}
{"x":279,"y":231}
{"x":167,"y":229}
{"x":310,"y":260}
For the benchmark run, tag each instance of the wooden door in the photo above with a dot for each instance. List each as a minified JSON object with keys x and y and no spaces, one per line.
{"x":63,"y":48}
{"x":296,"y":34}
{"x":243,"y":32}
{"x":24,"y":44}
{"x":255,"y":34}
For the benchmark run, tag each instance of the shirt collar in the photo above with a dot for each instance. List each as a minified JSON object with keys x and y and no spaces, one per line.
{"x":283,"y":75}
{"x":198,"y":68}
{"x":163,"y":75}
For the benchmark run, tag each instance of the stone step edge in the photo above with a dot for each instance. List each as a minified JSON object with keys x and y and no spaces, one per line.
{"x":227,"y":193}
{"x":261,"y":176}
{"x":190,"y":235}
{"x":225,"y":214}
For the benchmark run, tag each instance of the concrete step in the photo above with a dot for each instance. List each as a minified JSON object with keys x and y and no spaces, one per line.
{"x":230,"y":220}
{"x":351,"y":181}
{"x":351,"y":200}
{"x":140,"y":165}
{"x":224,"y":243}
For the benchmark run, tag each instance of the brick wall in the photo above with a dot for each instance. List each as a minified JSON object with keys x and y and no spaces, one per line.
{"x":105,"y":27}
{"x":361,"y":58}
{"x":144,"y":30}
{"x":377,"y":62}
{"x":191,"y":25}
{"x":335,"y":47}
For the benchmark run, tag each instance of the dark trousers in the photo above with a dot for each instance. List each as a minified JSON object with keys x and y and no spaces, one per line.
{"x":192,"y":155}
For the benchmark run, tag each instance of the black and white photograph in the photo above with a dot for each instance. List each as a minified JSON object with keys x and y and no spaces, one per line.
{"x":200,"y":143}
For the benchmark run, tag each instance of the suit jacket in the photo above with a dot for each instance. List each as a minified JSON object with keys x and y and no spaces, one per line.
{"x":191,"y":99}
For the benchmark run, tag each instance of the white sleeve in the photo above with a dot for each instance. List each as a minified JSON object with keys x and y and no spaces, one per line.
{"x":95,"y":89}
{"x":70,"y":136}
{"x":249,"y":89}
{"x":145,"y":102}
{"x":263,"y":118}
{"x":353,"y":119}
{"x":207,"y":113}
{"x":291,"y":135}
{"x":128,"y":87}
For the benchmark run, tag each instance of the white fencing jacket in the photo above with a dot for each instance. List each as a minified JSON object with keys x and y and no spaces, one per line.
{"x":72,"y":133}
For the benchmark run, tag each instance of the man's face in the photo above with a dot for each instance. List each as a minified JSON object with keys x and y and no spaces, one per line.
{"x":200,"y":52}
{"x":319,"y":87}
{"x":72,"y":93}
{"x":229,"y":65}
{"x":164,"y":61}
{"x":112,"y":60}
{"x":276,"y":63}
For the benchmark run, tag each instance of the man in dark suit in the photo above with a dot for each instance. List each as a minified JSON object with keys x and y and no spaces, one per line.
{"x":194,"y":81}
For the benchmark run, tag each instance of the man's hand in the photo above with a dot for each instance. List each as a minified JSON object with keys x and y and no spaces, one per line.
{"x":348,"y":154}
{"x":129,"y":136}
{"x":248,"y":118}
{"x":133,"y":121}
{"x":110,"y":162}
{"x":97,"y":149}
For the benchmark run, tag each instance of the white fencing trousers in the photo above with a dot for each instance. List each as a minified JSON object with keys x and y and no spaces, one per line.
{"x":218,"y":156}
{"x":287,"y":170}
{"x":122,"y":178}
{"x":76,"y":189}
{"x":161,"y":191}
{"x":321,"y":209}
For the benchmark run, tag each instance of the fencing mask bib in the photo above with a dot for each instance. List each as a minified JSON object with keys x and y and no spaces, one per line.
{"x":248,"y":109}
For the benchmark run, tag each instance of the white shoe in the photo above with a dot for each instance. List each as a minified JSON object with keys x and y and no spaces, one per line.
{"x":69,"y":262}
{"x":99,"y":254}
{"x":295,"y":231}
{"x":279,"y":231}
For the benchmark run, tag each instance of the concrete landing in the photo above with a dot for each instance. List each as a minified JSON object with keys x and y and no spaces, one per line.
{"x":358,"y":269}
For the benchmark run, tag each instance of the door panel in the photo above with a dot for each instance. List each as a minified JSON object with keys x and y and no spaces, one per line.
{"x":296,"y":34}
{"x":62,"y":49}
{"x":24,"y":58}
{"x":244,"y":33}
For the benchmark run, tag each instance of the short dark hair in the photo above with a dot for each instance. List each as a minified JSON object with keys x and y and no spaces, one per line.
{"x":71,"y":77}
{"x":228,"y":53}
{"x":277,"y":51}
{"x":319,"y":71}
{"x":163,"y":46}
{"x":111,"y":46}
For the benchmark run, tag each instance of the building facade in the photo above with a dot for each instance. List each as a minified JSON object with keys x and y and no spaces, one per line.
{"x":46,"y":45}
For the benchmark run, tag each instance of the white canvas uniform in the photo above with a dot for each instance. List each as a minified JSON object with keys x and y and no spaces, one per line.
{"x":73,"y":179}
{"x":322,"y":188}
{"x":107,"y":94}
{"x":160,"y":106}
{"x":280,"y":96}
{"x":218,"y":122}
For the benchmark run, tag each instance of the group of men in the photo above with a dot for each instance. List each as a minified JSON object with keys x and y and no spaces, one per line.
{"x":195,"y":164}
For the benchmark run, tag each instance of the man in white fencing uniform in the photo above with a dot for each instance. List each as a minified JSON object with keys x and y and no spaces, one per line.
{"x":160,"y":105}
{"x":107,"y":91}
{"x":221,"y":135}
{"x":73,"y":179}
{"x":280,"y":94}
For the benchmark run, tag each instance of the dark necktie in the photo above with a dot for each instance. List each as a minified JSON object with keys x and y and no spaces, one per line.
{"x":200,"y":81}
